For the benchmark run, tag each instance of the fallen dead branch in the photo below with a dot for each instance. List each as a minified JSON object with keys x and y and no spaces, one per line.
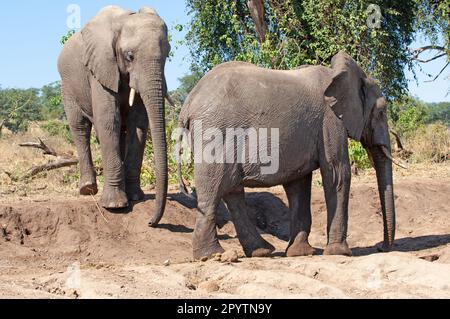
{"x":40,"y":145}
{"x":62,"y":161}
{"x":52,"y":166}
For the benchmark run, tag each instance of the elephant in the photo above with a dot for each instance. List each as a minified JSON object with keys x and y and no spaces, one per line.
{"x":113,"y":78}
{"x":315,"y":109}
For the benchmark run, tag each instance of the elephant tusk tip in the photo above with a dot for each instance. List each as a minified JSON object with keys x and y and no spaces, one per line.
{"x":132,"y":97}
{"x":393,"y":160}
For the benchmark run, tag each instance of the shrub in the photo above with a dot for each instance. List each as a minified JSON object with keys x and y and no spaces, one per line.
{"x":58,"y":128}
{"x":358,"y":155}
{"x":148,"y":173}
{"x":410,"y":119}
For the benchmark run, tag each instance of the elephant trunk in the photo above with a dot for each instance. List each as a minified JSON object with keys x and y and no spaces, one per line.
{"x":383,"y":167}
{"x":153,"y":97}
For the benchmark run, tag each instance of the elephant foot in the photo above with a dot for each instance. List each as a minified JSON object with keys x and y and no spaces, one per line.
{"x":208,"y":251}
{"x":135,"y":193}
{"x":300,"y":246}
{"x":114,"y":198}
{"x":338,"y":249}
{"x":89,"y":189}
{"x":261,"y":249}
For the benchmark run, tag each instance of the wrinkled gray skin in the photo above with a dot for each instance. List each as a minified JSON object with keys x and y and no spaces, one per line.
{"x":118,"y":51}
{"x":316,"y":109}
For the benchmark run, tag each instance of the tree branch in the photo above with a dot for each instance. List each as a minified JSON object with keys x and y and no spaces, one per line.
{"x":52,"y":166}
{"x":429,"y":60}
{"x":256,"y":8}
{"x":435,"y":78}
{"x":42,"y":146}
{"x":418,"y":51}
{"x":397,"y":139}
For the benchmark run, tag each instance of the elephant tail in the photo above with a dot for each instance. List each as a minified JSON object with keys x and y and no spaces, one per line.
{"x":183,"y":125}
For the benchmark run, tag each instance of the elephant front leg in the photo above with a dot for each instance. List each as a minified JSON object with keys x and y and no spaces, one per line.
{"x":137,"y":131}
{"x":299,"y":196}
{"x":336,"y":181}
{"x":107,"y":120}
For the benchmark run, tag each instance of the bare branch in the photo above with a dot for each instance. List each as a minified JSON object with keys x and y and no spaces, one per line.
{"x":418,"y":51}
{"x":52,"y":166}
{"x":429,"y":60}
{"x":398,"y":140}
{"x":42,"y":146}
{"x":436,"y":77}
{"x":257,"y":12}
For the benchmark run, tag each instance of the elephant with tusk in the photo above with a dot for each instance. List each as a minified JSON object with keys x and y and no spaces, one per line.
{"x":113,"y":78}
{"x":316,"y":109}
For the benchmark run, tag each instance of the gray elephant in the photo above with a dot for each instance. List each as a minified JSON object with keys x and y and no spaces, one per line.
{"x":113,"y":77}
{"x":315,"y":109}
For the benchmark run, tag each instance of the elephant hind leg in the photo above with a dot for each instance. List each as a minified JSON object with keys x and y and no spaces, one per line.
{"x":299,"y":196}
{"x":252,"y":242}
{"x":205,"y":242}
{"x":81,"y":129}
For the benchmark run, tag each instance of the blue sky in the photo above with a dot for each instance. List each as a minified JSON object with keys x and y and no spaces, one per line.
{"x":30,"y":32}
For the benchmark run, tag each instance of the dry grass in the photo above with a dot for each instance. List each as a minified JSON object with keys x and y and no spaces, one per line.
{"x":430,"y":143}
{"x":17,"y":161}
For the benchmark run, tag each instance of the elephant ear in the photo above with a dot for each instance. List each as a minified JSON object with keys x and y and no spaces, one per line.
{"x":99,"y":55}
{"x":346,"y":94}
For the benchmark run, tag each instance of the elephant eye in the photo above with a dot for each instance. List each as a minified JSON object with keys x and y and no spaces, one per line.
{"x":129,"y":56}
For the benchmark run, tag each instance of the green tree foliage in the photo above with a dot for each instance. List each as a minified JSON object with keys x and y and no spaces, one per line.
{"x":439,"y":112}
{"x":51,"y":102}
{"x":187,"y":83}
{"x":306,"y":32}
{"x":433,"y":18}
{"x":66,"y":37}
{"x":18,"y":107}
{"x":410,"y":114}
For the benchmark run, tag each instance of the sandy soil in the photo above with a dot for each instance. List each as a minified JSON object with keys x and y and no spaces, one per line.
{"x":68,"y":248}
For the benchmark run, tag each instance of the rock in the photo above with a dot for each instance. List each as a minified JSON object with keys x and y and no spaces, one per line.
{"x":230,"y":256}
{"x":167,"y":263}
{"x":430,"y":258}
{"x":209,"y":286}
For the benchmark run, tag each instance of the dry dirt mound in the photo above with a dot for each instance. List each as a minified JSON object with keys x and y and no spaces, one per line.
{"x":72,"y":249}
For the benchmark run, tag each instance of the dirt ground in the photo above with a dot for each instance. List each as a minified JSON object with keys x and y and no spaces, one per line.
{"x":53,"y":246}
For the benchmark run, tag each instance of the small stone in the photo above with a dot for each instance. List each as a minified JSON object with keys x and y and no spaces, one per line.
{"x":230,"y":256}
{"x":217,"y":257}
{"x":167,"y":263}
{"x":209,"y":286}
{"x":204,"y":259}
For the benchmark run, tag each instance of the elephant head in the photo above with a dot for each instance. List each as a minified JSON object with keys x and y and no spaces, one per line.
{"x":357,"y":100}
{"x":127,"y":51}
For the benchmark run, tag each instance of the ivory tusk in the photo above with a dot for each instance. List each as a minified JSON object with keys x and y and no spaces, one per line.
{"x":132,"y":96}
{"x":393,"y":160}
